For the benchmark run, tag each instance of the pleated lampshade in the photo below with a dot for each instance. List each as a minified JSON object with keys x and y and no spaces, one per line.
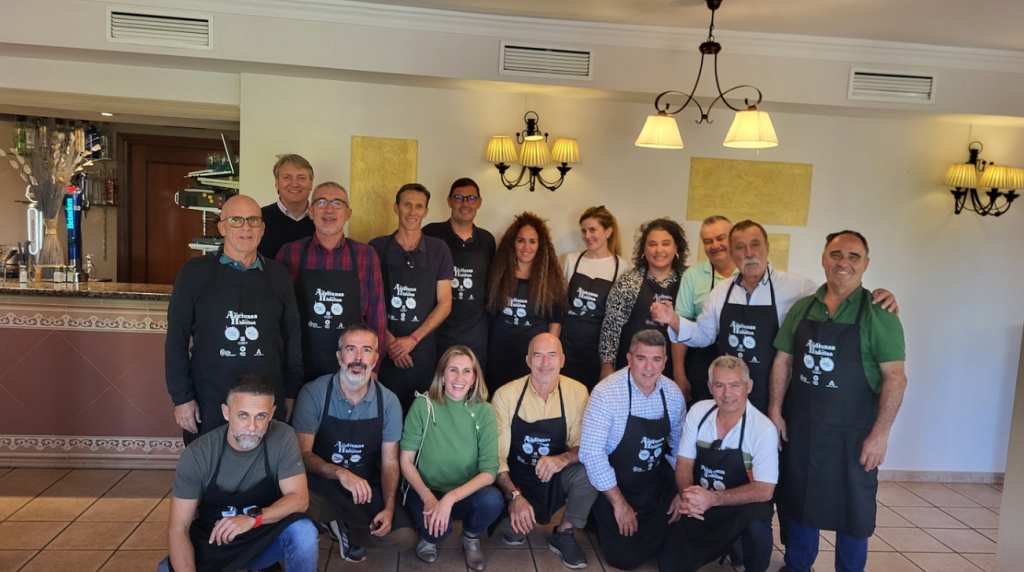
{"x":566,"y":150}
{"x":1016,"y":178}
{"x":962,"y":176}
{"x":501,"y":150}
{"x":751,"y":129}
{"x":660,"y":132}
{"x":996,"y":177}
{"x":535,"y":153}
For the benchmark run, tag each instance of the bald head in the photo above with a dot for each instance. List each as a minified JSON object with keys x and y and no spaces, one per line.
{"x":545,"y":359}
{"x":240,"y":205}
{"x":240,"y":242}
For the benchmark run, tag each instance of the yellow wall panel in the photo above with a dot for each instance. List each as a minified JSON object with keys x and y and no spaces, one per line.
{"x":380,"y":166}
{"x":778,"y":251}
{"x":763,"y":191}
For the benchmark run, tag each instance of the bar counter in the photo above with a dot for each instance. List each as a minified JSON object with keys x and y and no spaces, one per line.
{"x":82,"y":376}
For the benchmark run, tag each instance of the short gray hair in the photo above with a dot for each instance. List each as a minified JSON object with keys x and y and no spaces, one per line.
{"x":713,"y":219}
{"x":730,"y":362}
{"x":651,"y":338}
{"x":330,"y":184}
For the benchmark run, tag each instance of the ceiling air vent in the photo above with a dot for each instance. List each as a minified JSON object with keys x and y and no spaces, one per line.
{"x":873,"y":85}
{"x":540,"y":61}
{"x":194,"y":31}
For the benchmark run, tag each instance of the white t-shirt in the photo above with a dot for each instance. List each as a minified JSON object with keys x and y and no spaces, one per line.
{"x":760,"y":445}
{"x":595,"y":268}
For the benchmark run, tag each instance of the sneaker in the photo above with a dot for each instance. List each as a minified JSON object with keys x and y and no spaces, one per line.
{"x":350,"y":552}
{"x":426,"y":551}
{"x":509,"y":536}
{"x":564,"y":544}
{"x":475,"y":558}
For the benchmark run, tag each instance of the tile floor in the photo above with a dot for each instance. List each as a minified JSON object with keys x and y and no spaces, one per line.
{"x":115,"y":520}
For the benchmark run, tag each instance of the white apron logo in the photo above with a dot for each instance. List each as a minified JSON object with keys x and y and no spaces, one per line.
{"x":824,"y":364}
{"x":650,"y":453}
{"x":241,"y":329}
{"x":329,"y":305}
{"x":462,"y":282}
{"x":742,"y":337}
{"x":516,"y":309}
{"x":535,"y":447}
{"x":584,"y":301}
{"x":712,"y":479}
{"x":347,"y":453}
{"x":403,"y":301}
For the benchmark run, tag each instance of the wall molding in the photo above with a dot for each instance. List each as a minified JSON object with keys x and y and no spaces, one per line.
{"x":940,"y":476}
{"x":90,"y":323}
{"x":59,"y":451}
{"x":607,"y":34}
{"x":119,"y":105}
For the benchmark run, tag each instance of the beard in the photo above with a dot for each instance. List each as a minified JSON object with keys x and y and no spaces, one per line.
{"x":248,"y":439}
{"x":353,"y":380}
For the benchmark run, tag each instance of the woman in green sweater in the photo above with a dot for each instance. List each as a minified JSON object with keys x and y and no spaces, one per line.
{"x":450,"y":458}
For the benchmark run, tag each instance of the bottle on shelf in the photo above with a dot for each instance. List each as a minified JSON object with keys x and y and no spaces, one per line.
{"x":30,"y":137}
{"x":19,"y":137}
{"x":89,"y":270}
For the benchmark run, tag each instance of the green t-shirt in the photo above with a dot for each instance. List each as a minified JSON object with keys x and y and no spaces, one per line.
{"x":460,"y":443}
{"x":881,"y":333}
{"x":697,"y":283}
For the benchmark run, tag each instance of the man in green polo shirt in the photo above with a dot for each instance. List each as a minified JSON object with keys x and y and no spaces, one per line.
{"x":841,"y":394}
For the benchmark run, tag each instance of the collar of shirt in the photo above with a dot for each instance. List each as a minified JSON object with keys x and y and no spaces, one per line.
{"x":533,"y":390}
{"x":764,"y":281}
{"x":705,"y":267}
{"x":632,"y":381}
{"x":320,"y":245}
{"x":844,"y":306}
{"x":451,"y":229}
{"x":289,"y":214}
{"x":225,"y":259}
{"x":397,"y":247}
{"x":673,"y":277}
{"x":369,"y":398}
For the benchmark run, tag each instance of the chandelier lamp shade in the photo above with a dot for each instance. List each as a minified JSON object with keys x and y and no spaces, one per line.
{"x":1001,"y":182}
{"x":533,"y":156}
{"x":751,"y":128}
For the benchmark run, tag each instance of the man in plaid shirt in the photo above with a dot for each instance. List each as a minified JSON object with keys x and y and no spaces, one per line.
{"x":337,"y":281}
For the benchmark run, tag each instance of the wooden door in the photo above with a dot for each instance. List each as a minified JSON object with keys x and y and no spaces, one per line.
{"x":153,"y":232}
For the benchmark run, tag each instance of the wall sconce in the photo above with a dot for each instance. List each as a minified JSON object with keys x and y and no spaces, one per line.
{"x":963,"y":177}
{"x":751,"y":129}
{"x":534,"y":157}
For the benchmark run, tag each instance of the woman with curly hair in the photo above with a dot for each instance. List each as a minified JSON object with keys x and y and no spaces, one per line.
{"x":525,"y":296}
{"x":659,"y":260}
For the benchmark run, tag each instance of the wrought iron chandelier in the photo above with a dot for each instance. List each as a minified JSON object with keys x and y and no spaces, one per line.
{"x":963,"y":177}
{"x":534,"y":156}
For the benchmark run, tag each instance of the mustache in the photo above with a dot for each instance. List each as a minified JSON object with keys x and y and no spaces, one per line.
{"x":749,"y":261}
{"x":356,"y":364}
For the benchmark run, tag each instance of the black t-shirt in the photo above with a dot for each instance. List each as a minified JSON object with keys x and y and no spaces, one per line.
{"x":279,"y":229}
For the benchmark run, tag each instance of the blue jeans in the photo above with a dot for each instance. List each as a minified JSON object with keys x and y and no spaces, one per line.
{"x":477,"y":512}
{"x":802,"y":550}
{"x":298,"y":545}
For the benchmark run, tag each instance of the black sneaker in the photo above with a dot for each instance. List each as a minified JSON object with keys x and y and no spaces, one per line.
{"x":350,"y":552}
{"x":564,"y":544}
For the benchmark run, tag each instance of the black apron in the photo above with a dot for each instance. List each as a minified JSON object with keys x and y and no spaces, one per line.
{"x":830,"y":409}
{"x":647,"y":483}
{"x":530,"y":442}
{"x":718,"y":470}
{"x":581,"y":326}
{"x":329,"y":301}
{"x":216,"y":504}
{"x":468,"y":323}
{"x":697,"y":362}
{"x":511,"y":332}
{"x":410,"y":297}
{"x":640,"y":319}
{"x":237,"y":331}
{"x":354,"y":445}
{"x":748,"y":332}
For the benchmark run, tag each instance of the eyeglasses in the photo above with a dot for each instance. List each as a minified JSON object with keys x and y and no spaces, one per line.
{"x":468,"y":198}
{"x":409,"y":260}
{"x":716,"y":444}
{"x":336,"y":203}
{"x":237,"y":221}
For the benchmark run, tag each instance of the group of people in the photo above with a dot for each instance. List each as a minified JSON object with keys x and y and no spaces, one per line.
{"x":434,"y":375}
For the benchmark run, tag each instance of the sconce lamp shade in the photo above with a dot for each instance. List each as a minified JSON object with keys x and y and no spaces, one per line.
{"x":566,"y":151}
{"x":751,"y":129}
{"x":962,"y":176}
{"x":997,"y":177}
{"x":535,"y":153}
{"x":660,"y":132}
{"x":1016,"y":178}
{"x":501,"y":150}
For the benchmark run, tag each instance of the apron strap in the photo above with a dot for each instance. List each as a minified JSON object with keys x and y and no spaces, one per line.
{"x":380,"y":400}
{"x":705,"y":418}
{"x":771,"y":287}
{"x":615,"y":276}
{"x":743,"y":424}
{"x":561,"y":402}
{"x":327,"y":399}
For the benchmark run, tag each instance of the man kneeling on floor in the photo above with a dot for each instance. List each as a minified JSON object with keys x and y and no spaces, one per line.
{"x":239,"y":492}
{"x":726,"y":471}
{"x":348,"y":428}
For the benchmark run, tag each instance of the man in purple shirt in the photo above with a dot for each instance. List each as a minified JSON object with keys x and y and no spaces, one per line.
{"x":337,"y":281}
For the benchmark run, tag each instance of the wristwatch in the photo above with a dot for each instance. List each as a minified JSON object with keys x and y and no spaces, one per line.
{"x":255,"y":512}
{"x":512,"y":494}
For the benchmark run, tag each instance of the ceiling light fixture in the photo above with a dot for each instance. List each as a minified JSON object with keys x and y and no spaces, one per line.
{"x":751,"y":128}
{"x":106,"y":114}
{"x":534,"y":155}
{"x":963,"y":177}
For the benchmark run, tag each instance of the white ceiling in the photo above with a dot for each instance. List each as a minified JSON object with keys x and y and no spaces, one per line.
{"x":992,"y":24}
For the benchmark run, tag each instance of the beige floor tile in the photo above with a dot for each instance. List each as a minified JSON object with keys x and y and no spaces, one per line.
{"x":547,"y":561}
{"x":148,"y":536}
{"x":910,"y":540}
{"x":900,"y":497}
{"x":828,"y":537}
{"x":963,"y":541}
{"x":889,"y":562}
{"x":92,"y":536}
{"x":826,"y":561}
{"x":39,"y":474}
{"x":120,"y":509}
{"x":991,"y":533}
{"x":63,"y":509}
{"x":11,"y":560}
{"x":4,"y":472}
{"x":81,"y":483}
{"x":986,"y":562}
{"x":984,"y":495}
{"x":875,"y":544}
{"x":161,"y":512}
{"x":508,"y":561}
{"x":376,"y":561}
{"x":28,"y":535}
{"x":776,"y":561}
{"x":134,"y":561}
{"x":943,"y":497}
{"x":942,"y":562}
{"x":994,"y":509}
{"x":889,"y":519}
{"x":889,"y":485}
{"x":16,"y":483}
{"x":448,"y":559}
{"x":928,"y":517}
{"x":77,"y":560}
{"x":996,"y":486}
{"x":10,"y":505}
{"x":143,"y":484}
{"x":975,"y":517}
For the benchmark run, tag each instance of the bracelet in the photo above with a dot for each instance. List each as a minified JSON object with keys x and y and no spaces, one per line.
{"x":414,"y":338}
{"x":259,"y":520}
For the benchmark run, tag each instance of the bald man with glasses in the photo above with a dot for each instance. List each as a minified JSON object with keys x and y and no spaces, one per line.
{"x":231,"y":312}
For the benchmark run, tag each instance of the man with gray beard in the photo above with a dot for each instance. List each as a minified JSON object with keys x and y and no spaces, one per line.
{"x":348,"y":427}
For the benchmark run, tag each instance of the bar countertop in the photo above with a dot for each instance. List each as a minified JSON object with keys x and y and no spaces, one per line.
{"x":110,"y":290}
